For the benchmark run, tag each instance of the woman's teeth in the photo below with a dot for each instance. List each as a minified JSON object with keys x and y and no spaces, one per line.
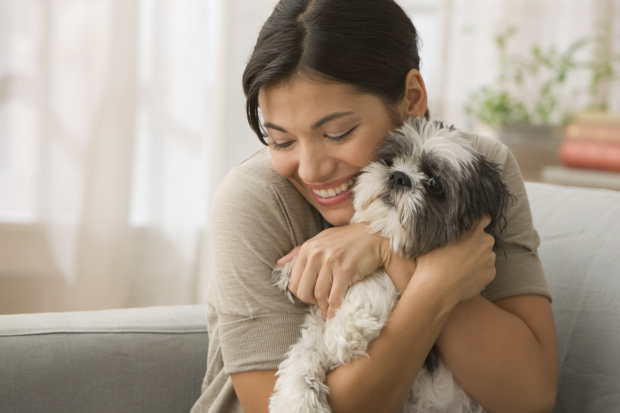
{"x":331,"y":192}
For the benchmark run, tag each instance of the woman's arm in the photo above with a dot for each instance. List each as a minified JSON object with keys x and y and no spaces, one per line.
{"x":504,"y":353}
{"x":381,"y":382}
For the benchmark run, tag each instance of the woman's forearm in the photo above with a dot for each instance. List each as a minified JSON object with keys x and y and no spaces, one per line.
{"x":381,"y":381}
{"x":497,"y":359}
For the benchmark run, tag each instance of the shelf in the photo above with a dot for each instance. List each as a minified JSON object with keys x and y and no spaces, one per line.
{"x":562,"y":175}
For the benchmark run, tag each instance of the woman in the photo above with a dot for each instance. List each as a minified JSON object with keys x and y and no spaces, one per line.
{"x":331,"y":78}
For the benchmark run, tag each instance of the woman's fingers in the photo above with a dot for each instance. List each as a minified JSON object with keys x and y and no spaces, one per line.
{"x":296,"y":272}
{"x":323,"y":288}
{"x":313,"y":282}
{"x":339,"y":289}
{"x":485,"y":220}
{"x":463,"y":268}
{"x":479,"y":225}
{"x":288,"y":257}
{"x":350,"y":251}
{"x":307,"y":282}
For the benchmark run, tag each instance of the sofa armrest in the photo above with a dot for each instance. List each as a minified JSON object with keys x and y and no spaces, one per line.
{"x":132,"y":360}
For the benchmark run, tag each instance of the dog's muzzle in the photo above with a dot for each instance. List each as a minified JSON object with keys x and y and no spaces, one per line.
{"x":399,"y":180}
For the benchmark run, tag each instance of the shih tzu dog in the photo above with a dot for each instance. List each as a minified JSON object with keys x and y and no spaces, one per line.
{"x":425,"y":189}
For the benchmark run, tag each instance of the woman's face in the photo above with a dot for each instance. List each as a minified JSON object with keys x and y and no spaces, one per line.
{"x":320,"y":136}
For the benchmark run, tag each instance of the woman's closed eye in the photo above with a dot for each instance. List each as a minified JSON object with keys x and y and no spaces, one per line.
{"x":279,"y":146}
{"x":339,"y":138}
{"x":343,"y":137}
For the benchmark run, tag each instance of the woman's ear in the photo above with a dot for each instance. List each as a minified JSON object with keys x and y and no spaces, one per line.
{"x":415,"y":101}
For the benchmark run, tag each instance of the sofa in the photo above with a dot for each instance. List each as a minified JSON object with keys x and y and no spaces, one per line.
{"x":154,"y":359}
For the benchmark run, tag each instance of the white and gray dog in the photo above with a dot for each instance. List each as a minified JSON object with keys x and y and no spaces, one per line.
{"x":426,"y":188}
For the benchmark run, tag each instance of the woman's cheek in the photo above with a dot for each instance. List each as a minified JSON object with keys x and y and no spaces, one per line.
{"x":283,"y":164}
{"x":361,"y":151}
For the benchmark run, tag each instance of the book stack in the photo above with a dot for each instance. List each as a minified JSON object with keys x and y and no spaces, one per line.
{"x":589,"y":153}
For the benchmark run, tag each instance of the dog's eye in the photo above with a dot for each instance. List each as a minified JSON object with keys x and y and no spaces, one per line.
{"x":434,"y":186}
{"x":389,"y":162}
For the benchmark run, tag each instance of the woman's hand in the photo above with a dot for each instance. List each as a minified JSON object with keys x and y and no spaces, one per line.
{"x":328,"y":264}
{"x":332,"y":261}
{"x":460,"y":270}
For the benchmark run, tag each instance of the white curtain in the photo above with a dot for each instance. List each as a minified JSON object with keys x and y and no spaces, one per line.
{"x":458,"y":52}
{"x":119,"y":118}
{"x":115,"y":105}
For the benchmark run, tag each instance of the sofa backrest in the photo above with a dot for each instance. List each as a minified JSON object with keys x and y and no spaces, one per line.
{"x":149,"y":359}
{"x":580,"y":253}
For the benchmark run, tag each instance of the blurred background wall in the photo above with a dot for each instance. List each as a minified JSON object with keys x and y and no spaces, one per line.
{"x":119,"y":119}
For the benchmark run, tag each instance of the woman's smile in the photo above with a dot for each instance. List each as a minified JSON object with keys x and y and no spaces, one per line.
{"x":333,"y":192}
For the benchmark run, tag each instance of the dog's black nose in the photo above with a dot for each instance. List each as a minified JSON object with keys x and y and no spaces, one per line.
{"x":398,"y":179}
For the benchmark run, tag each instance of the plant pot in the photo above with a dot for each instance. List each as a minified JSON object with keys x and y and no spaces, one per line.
{"x":533,"y":146}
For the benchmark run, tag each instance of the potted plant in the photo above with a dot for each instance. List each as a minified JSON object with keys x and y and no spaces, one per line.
{"x":532,"y":99}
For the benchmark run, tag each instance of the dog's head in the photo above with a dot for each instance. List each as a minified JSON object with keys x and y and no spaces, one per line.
{"x":427,"y":187}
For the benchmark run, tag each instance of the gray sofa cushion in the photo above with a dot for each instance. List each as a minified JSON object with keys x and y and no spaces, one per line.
{"x":135,"y":360}
{"x":580,"y":252}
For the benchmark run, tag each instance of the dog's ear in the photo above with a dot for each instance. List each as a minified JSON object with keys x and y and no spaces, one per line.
{"x":493,"y":196}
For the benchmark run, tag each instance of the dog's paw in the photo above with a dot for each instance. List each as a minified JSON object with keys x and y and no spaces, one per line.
{"x":280,"y":277}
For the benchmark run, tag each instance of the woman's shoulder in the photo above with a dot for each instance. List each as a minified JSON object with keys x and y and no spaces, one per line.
{"x":496,"y":151}
{"x":491,"y":148}
{"x":258,"y":170}
{"x":255,"y":180}
{"x":260,"y":163}
{"x":254,"y":195}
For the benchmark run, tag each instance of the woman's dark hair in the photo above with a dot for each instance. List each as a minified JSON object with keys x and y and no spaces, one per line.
{"x":368,"y":44}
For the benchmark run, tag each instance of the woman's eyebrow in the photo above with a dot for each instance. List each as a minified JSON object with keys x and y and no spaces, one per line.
{"x":327,"y":118}
{"x":316,"y":125}
{"x":272,"y":126}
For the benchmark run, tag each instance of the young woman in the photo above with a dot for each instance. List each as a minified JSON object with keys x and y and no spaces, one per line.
{"x":331,"y":79}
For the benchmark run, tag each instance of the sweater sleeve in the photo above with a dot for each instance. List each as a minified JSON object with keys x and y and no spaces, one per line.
{"x":250,"y":231}
{"x":518,"y":267}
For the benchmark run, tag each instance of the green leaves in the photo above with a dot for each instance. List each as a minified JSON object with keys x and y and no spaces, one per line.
{"x":534,"y":89}
{"x":496,"y":107}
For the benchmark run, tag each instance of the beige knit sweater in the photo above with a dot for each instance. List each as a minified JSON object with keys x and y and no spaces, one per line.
{"x":257,"y":217}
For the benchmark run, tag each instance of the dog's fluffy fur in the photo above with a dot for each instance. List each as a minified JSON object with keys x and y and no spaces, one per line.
{"x":426,"y":188}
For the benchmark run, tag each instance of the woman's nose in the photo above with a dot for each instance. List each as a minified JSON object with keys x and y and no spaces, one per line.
{"x":315,"y":164}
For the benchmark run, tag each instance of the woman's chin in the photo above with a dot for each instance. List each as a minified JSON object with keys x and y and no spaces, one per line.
{"x":338,"y":216}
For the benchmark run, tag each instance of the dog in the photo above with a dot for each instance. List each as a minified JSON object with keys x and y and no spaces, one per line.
{"x":425,"y":189}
